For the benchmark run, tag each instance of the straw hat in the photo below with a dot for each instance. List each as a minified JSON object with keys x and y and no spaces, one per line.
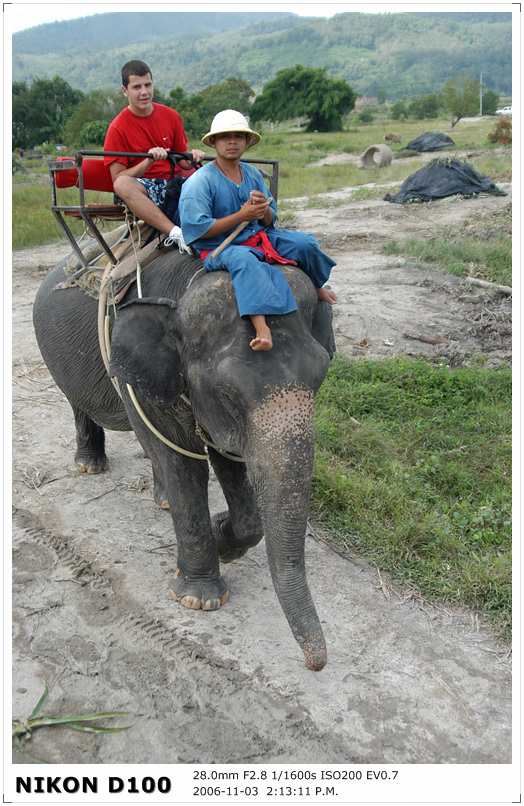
{"x":231,"y":121}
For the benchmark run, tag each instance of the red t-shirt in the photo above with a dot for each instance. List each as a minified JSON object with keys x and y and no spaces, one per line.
{"x":130,"y":132}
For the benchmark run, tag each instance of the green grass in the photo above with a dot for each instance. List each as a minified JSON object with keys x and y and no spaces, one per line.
{"x":296,"y":150}
{"x":413,"y":471}
{"x":480,"y":248}
{"x":465,"y":257}
{"x":23,"y":727}
{"x":34,"y":224}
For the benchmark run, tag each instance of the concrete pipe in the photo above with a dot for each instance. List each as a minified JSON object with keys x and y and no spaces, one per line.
{"x":377,"y":156}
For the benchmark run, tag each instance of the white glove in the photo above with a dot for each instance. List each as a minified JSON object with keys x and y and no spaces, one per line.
{"x":175,"y":236}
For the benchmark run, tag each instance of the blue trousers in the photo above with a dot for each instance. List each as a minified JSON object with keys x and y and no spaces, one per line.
{"x":260,"y":287}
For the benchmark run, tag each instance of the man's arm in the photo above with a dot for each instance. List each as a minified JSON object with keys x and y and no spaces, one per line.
{"x":197,"y":155}
{"x":138,"y":170}
{"x":255,"y":209}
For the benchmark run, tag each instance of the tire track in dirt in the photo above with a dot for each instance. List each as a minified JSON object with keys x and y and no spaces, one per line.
{"x":196,"y":689}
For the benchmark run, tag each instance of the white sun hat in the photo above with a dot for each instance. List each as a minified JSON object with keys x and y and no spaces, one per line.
{"x":229,"y":120}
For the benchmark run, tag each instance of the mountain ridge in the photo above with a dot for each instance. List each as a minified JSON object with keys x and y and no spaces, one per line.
{"x":404,"y":53}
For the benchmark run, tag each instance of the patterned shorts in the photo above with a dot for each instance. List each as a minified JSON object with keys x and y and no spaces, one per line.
{"x":156,"y":190}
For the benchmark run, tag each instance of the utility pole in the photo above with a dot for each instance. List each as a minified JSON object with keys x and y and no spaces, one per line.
{"x":481,"y":93}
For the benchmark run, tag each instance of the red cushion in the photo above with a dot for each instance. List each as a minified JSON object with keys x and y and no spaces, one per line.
{"x":66,"y":178}
{"x":185,"y":173}
{"x":97,"y":176}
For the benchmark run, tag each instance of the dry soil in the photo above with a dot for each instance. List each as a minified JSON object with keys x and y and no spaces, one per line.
{"x":406,"y":682}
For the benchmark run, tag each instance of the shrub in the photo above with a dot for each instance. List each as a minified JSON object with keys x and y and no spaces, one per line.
{"x":93,"y":132}
{"x":502,"y":132}
{"x":399,"y":108}
{"x":365,"y":116}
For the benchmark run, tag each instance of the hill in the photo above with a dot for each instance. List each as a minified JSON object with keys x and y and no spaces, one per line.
{"x":402,"y":53}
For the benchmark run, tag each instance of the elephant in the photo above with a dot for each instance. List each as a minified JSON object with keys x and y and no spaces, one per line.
{"x":182,"y":373}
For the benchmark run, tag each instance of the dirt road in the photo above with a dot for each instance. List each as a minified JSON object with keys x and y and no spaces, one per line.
{"x":406,"y":683}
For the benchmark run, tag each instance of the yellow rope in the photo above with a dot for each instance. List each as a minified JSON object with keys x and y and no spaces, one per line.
{"x":105,"y":350}
{"x":156,"y":432}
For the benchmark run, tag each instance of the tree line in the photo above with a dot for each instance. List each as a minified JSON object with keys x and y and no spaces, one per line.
{"x":53,"y":111}
{"x":405,"y":53}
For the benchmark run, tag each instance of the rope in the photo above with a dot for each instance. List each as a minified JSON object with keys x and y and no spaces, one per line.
{"x":105,"y":350}
{"x":138,"y":264}
{"x":157,"y":433}
{"x":104,"y":340}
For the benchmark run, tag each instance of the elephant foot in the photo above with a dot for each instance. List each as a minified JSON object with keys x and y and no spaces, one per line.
{"x":227,"y":551}
{"x":198,"y":595}
{"x":92,"y":466}
{"x":160,"y":499}
{"x":159,"y":490}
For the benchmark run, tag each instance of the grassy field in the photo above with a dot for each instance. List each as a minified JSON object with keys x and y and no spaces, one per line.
{"x":413,"y":462}
{"x":413,"y":472}
{"x":34,"y":224}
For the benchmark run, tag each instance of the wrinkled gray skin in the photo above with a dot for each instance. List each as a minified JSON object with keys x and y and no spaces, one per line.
{"x":258,"y":405}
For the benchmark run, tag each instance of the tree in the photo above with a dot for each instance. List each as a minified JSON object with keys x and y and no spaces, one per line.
{"x":192,"y":111}
{"x":92,"y":133}
{"x":234,"y":93}
{"x":430,"y":106}
{"x":99,"y":105}
{"x":41,"y":110}
{"x":490,"y":102}
{"x":399,"y":108}
{"x":199,"y":109}
{"x":424,"y":107}
{"x":366,"y":116}
{"x":461,"y":97}
{"x":303,"y":91}
{"x":381,"y":96}
{"x":415,"y":109}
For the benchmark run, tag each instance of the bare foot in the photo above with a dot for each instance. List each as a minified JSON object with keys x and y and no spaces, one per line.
{"x":261,"y":343}
{"x":262,"y":340}
{"x":327,"y":295}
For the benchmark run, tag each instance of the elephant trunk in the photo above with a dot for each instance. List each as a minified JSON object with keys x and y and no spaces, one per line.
{"x":279,"y":455}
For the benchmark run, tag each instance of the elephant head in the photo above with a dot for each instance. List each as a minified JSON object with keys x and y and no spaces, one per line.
{"x":257,"y":405}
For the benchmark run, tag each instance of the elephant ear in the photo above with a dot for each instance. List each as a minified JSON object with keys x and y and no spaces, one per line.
{"x":322,"y":327}
{"x":144,"y":351}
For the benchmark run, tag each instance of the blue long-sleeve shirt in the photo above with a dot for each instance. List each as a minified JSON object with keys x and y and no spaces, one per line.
{"x":208,"y":194}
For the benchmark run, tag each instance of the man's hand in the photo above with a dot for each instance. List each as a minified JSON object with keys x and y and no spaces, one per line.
{"x":197,"y":154}
{"x":256,"y":207}
{"x":158,"y":153}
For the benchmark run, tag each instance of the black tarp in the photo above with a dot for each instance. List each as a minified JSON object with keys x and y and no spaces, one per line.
{"x":429,"y":141}
{"x":443,"y":177}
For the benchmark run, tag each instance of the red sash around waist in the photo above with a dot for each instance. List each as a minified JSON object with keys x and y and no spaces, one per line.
{"x":259,"y":241}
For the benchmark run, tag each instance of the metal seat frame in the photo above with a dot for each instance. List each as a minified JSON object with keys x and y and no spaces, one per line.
{"x":88,"y":212}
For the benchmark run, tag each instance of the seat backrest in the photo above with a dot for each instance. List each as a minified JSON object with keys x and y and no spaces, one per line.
{"x":97,"y":176}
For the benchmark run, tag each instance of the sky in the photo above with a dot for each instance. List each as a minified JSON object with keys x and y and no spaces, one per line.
{"x":26,"y":15}
{"x":21,"y":15}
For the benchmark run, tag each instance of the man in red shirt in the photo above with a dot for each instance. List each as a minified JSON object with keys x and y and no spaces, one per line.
{"x":148,"y":128}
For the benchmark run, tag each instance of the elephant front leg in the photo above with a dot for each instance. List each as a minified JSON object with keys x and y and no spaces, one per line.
{"x":90,"y":456}
{"x":239,"y":529}
{"x":196,"y":583}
